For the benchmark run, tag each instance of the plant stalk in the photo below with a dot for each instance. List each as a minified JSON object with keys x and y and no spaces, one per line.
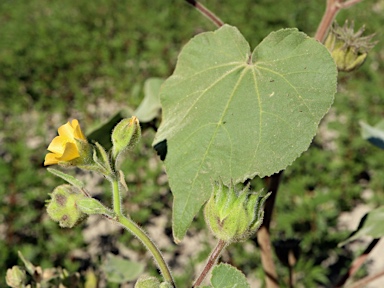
{"x":263,"y":235}
{"x":291,"y":280}
{"x":206,"y":12}
{"x":363,"y":282}
{"x":211,"y":262}
{"x":143,"y":237}
{"x":356,"y":264}
{"x":116,"y":197}
{"x":131,"y":226}
{"x":333,"y":7}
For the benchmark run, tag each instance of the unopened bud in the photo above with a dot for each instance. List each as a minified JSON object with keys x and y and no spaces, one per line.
{"x":63,"y":206}
{"x":234,"y":215}
{"x":348,"y":49}
{"x":15,"y":277}
{"x":125,"y":136}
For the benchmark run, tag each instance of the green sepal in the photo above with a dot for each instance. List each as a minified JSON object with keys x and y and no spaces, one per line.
{"x":102,"y":159}
{"x":69,"y":178}
{"x":348,"y":48}
{"x":92,"y":206}
{"x":232,"y":215}
{"x":122,"y":184}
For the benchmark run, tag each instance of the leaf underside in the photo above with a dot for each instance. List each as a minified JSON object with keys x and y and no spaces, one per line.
{"x":370,"y":225}
{"x":374,"y":134}
{"x":234,"y":114}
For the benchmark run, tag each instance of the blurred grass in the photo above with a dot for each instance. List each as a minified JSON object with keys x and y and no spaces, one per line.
{"x":87,"y":59}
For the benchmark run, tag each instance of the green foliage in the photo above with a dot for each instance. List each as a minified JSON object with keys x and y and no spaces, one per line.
{"x":119,"y":270}
{"x":237,"y":113}
{"x":147,"y":282}
{"x":227,"y":276}
{"x":62,"y":59}
{"x":68,"y":178}
{"x":375,"y":135}
{"x":370,"y":225}
{"x":149,"y":108}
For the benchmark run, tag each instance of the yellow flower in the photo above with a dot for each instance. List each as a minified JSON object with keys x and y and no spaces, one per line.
{"x":64,"y":147}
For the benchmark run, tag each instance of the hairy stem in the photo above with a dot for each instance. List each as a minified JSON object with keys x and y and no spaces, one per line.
{"x":143,"y":237}
{"x":263,"y":236}
{"x":356,"y":264}
{"x":131,"y":226}
{"x":211,"y":262}
{"x":331,"y":10}
{"x":206,"y":12}
{"x":330,"y":13}
{"x":116,"y":198}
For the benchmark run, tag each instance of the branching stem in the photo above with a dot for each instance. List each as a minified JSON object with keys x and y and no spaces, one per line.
{"x":263,"y":235}
{"x":131,"y":226}
{"x":363,"y":282}
{"x":211,"y":262}
{"x":206,"y":12}
{"x":331,"y":10}
{"x":356,"y":264}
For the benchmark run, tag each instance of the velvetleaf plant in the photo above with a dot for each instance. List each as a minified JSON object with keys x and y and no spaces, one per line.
{"x":229,"y":114}
{"x":267,"y":105}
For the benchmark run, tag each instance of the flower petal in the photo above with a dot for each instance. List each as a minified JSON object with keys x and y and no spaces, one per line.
{"x":50,"y":159}
{"x":58,"y":144}
{"x":78,"y":134}
{"x":66,"y":130}
{"x":70,"y":152}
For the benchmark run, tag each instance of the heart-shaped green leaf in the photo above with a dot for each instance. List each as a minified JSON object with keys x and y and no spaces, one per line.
{"x":234,"y":114}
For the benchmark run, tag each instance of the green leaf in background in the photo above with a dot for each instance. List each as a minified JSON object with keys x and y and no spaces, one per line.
{"x":234,"y":114}
{"x":370,"y":225}
{"x":150,"y":107}
{"x":120,"y":270}
{"x":227,"y":276}
{"x":374,"y":134}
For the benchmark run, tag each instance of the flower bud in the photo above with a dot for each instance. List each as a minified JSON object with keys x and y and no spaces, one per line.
{"x":63,"y":208}
{"x":348,"y":49}
{"x":125,"y":136}
{"x":15,"y":277}
{"x":234,"y":215}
